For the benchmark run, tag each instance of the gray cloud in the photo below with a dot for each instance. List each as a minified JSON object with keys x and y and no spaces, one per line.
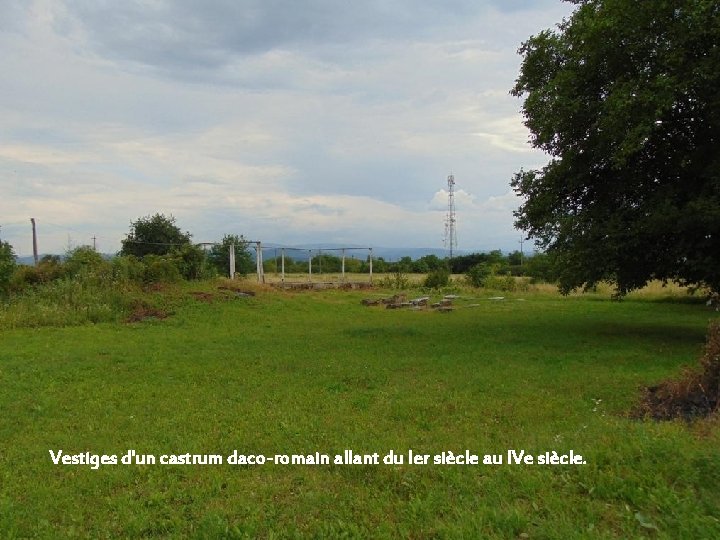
{"x":185,"y":32}
{"x":286,"y":121}
{"x":189,"y":39}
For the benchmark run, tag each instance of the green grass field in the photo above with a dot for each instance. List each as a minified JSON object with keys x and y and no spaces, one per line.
{"x":298,"y":373}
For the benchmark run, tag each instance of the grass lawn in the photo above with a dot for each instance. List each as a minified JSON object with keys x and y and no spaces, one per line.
{"x":298,"y":373}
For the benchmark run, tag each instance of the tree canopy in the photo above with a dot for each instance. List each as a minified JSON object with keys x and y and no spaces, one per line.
{"x":219,"y":255}
{"x":625,"y":99}
{"x":154,"y":235}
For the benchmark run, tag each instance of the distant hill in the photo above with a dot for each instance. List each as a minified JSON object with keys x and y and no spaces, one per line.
{"x":300,"y":252}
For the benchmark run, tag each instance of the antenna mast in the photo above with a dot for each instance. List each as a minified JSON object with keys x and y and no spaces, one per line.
{"x":450,"y":220}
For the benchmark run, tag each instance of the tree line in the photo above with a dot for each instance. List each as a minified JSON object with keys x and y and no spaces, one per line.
{"x":157,"y":250}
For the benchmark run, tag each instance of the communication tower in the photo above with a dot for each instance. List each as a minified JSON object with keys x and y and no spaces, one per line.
{"x":450,"y":220}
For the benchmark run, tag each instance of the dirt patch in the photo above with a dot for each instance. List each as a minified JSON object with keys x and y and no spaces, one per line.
{"x":695,"y":394}
{"x":143,"y":312}
{"x":237,"y":290}
{"x":154,"y":287}
{"x":203,"y":296}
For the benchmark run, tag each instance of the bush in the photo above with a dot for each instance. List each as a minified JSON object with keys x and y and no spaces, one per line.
{"x":50,"y":268}
{"x":7,"y":266}
{"x":23,"y":277}
{"x":160,"y":270}
{"x":397,"y":280}
{"x":501,"y":283}
{"x":478,"y":274}
{"x":85,"y":261}
{"x":437,"y":279}
{"x":128,"y":269}
{"x":191,"y":262}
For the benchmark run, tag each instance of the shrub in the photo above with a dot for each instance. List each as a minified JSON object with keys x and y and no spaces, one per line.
{"x":160,"y":270}
{"x":478,"y":274}
{"x":397,"y":280}
{"x":7,"y":266}
{"x":50,"y":268}
{"x":437,"y":279}
{"x":128,"y":269}
{"x":191,"y":262}
{"x":85,"y":262}
{"x":501,"y":283}
{"x":24,"y":276}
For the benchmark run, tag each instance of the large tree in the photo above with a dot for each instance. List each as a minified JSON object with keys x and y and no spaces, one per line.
{"x":624,"y":96}
{"x":154,"y":235}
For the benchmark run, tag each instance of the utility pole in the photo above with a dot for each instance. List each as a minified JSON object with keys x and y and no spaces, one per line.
{"x":521,"y":250}
{"x":35,"y":250}
{"x":231,"y":261}
{"x":94,"y":248}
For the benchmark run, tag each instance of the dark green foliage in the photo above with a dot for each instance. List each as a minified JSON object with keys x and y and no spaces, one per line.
{"x":191,"y":262}
{"x":7,"y":266}
{"x":128,"y":269}
{"x":85,"y":260}
{"x":625,"y":98}
{"x":51,"y":268}
{"x":219,"y":255}
{"x":428,"y":263}
{"x":24,"y":276}
{"x":478,"y":274}
{"x":154,"y":235}
{"x":160,"y":270}
{"x":463,"y":263}
{"x":380,"y":265}
{"x":324,"y":262}
{"x":353,"y":265}
{"x":541,"y":267}
{"x":437,"y":279}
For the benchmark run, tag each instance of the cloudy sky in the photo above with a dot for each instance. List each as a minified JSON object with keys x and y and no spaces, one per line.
{"x":288,"y":121}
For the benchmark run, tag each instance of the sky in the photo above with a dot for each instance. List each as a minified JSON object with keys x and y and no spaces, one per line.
{"x":287,"y":121}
